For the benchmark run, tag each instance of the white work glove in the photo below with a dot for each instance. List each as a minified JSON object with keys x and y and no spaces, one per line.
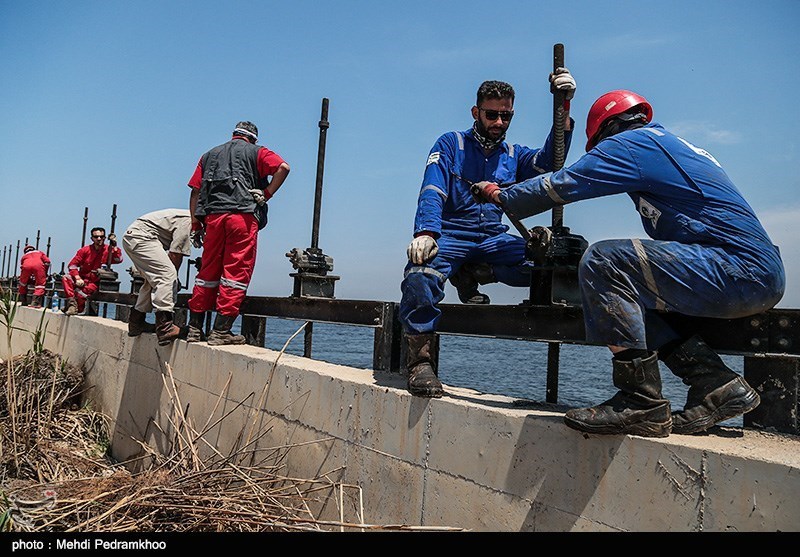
{"x":258,"y":196}
{"x":197,"y":237}
{"x":79,"y":282}
{"x":563,"y":81}
{"x":422,"y":249}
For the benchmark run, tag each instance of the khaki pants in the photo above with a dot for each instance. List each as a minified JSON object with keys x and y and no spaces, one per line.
{"x":151,"y":260}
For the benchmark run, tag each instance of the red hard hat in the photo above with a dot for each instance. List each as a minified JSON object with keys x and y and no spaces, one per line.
{"x":609,"y":105}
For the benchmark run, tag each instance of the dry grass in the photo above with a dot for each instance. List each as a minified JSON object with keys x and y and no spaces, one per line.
{"x":57,"y":476}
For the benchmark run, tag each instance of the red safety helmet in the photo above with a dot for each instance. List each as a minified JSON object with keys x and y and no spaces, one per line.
{"x":609,"y":105}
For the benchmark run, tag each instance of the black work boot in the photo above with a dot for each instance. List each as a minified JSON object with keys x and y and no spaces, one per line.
{"x":197,"y":324}
{"x":137,"y":324}
{"x":166,"y":329}
{"x":36,"y":301}
{"x":467,"y":279}
{"x":422,"y":378}
{"x":716,"y":392}
{"x":637,"y":409}
{"x":221,"y":333}
{"x":22,"y":299}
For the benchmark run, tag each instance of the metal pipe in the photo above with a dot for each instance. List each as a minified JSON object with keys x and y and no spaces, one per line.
{"x":37,"y":238}
{"x":111,"y":231}
{"x":85,"y":219}
{"x":48,"y":247}
{"x":16,"y":258}
{"x":3,"y":267}
{"x":323,"y":132}
{"x":558,"y":131}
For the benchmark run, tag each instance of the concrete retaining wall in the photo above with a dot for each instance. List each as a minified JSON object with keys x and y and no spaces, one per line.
{"x":468,"y":460}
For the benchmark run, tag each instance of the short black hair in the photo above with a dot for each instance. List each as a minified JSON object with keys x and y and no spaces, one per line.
{"x":494,"y":90}
{"x":96,"y":229}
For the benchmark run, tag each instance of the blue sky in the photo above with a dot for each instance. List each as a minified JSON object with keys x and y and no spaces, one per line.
{"x":113,"y":102}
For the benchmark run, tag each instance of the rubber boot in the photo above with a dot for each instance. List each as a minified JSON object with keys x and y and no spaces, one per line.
{"x":221,"y":333}
{"x":420,"y":363}
{"x":36,"y":301}
{"x":197,"y":324}
{"x":637,"y":409}
{"x":166,"y":329}
{"x":70,"y":306}
{"x":137,"y":324}
{"x":716,"y":392}
{"x":466,"y":282}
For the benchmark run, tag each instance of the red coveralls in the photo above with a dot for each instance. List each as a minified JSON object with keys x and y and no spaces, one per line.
{"x":229,"y":249}
{"x":85,"y":264}
{"x":34,"y":264}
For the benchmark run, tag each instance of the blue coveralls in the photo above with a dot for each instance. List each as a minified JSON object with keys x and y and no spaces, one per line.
{"x":709,"y":255}
{"x":465,"y":229}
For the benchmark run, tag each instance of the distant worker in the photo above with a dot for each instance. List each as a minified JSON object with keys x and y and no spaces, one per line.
{"x":709,"y":257}
{"x":34,"y":266}
{"x":229,"y":191}
{"x":83,"y":278}
{"x":459,"y":237}
{"x":156,"y":244}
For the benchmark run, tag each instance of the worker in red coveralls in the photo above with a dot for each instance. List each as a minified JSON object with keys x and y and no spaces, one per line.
{"x":83,"y":279}
{"x":229,"y":191}
{"x":34,"y":266}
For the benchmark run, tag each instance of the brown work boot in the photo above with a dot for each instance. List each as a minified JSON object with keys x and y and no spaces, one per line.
{"x":467,"y":279}
{"x":420,"y":361}
{"x":716,"y":392}
{"x":70,"y":306}
{"x":197,"y":324}
{"x":166,"y":329}
{"x":221,"y":333}
{"x":36,"y":302}
{"x":637,"y":409}
{"x":137,"y":324}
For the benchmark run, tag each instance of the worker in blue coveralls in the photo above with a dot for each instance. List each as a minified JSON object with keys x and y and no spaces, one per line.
{"x":453,"y":229}
{"x":709,"y":256}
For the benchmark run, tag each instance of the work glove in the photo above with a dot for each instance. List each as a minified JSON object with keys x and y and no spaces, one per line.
{"x":489,"y":191}
{"x":562,"y":80}
{"x":79,"y":282}
{"x":112,"y":240}
{"x":197,"y":235}
{"x":422,"y":249}
{"x":258,"y":196}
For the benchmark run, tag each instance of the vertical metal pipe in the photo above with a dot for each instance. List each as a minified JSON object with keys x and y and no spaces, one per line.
{"x":3,"y":267}
{"x":85,"y":219}
{"x":307,"y":336}
{"x":554,"y":348}
{"x":47,"y":253}
{"x":110,"y":232}
{"x":323,"y":132}
{"x":558,"y":131}
{"x":16,"y":258}
{"x":37,"y":238}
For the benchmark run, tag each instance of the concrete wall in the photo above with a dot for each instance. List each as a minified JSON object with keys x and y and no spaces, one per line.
{"x":466,"y":461}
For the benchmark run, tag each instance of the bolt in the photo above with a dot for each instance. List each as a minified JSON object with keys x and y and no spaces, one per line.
{"x":755,"y":342}
{"x":755,"y":323}
{"x":783,"y":343}
{"x":783,"y":322}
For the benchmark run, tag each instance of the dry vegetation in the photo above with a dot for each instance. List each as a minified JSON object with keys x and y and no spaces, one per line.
{"x":56,"y":474}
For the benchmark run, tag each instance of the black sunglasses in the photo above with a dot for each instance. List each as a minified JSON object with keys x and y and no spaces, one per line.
{"x":492,"y":115}
{"x":98,"y":237}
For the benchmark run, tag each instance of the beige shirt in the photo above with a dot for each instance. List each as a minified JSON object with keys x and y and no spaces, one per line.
{"x":170,"y":226}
